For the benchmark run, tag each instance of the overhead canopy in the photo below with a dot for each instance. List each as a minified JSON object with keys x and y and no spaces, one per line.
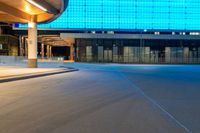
{"x":56,"y":40}
{"x":24,"y":11}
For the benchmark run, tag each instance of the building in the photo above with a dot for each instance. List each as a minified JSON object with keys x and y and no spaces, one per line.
{"x":130,"y":31}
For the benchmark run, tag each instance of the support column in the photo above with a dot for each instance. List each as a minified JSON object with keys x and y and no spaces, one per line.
{"x":47,"y":51}
{"x":32,"y":45}
{"x":50,"y":51}
{"x":20,"y":46}
{"x":42,"y":50}
{"x":26,"y":47}
{"x":71,"y":53}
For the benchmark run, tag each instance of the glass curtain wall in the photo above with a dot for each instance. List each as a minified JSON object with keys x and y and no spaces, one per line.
{"x":128,"y":15}
{"x":137,"y":51}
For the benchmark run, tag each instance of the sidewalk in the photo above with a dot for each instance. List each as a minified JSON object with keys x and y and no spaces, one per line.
{"x":17,"y":73}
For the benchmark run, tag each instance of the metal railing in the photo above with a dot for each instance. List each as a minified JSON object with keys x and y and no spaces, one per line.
{"x":52,"y":59}
{"x":22,"y":61}
{"x":141,"y":60}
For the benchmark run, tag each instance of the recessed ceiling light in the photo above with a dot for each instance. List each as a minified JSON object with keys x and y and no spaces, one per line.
{"x":37,"y":5}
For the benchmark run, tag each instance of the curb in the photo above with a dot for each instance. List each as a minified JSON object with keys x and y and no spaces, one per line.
{"x":35,"y":75}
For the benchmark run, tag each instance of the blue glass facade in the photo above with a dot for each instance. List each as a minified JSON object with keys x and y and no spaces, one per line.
{"x":129,"y":15}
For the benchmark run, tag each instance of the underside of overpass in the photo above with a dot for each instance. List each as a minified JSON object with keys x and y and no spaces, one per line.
{"x":50,"y":46}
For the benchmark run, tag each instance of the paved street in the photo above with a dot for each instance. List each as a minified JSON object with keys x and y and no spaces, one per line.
{"x":106,"y":98}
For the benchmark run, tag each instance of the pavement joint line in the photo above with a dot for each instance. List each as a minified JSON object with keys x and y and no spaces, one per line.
{"x":155,"y":103}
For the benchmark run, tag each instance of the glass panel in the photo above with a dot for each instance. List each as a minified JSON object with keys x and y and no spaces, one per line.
{"x":100,"y":53}
{"x":89,"y":53}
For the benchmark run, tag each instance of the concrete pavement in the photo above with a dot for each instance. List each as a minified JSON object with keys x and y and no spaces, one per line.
{"x":104,"y":99}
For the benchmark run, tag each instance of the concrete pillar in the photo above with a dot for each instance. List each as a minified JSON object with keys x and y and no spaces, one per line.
{"x":20,"y":46}
{"x":71,"y":52}
{"x":42,"y":50}
{"x":47,"y":51}
{"x":26,"y":46}
{"x":32,"y":45}
{"x":50,"y":51}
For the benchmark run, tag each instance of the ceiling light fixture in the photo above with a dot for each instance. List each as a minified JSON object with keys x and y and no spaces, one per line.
{"x":37,"y":5}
